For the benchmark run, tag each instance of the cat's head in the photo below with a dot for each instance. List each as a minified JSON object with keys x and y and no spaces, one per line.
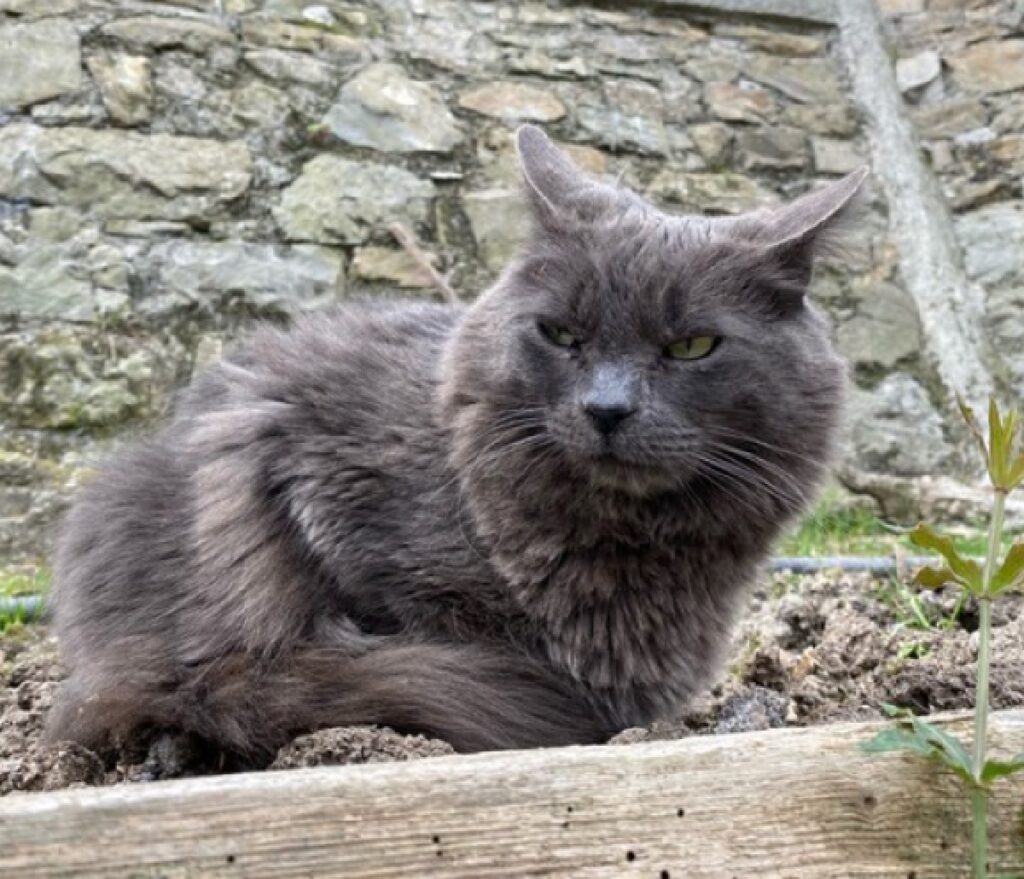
{"x":640,"y":352}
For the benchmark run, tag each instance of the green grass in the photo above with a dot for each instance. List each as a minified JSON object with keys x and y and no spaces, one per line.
{"x":835,"y":527}
{"x":831,"y":529}
{"x":904,"y":600}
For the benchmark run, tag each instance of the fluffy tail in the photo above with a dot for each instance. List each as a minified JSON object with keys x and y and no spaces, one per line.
{"x":470,"y":697}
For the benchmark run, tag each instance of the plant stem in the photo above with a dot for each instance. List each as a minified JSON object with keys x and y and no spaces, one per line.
{"x":979,"y":796}
{"x":979,"y":814}
{"x":981,"y":690}
{"x":995,"y":533}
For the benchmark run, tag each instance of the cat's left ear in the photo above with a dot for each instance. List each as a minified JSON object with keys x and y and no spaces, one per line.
{"x":556,"y":189}
{"x":793,"y":235}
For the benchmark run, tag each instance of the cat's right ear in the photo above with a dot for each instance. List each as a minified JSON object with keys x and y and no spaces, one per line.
{"x":556,"y":189}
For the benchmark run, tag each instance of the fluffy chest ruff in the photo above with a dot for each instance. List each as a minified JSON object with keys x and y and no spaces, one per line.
{"x":645,"y":633}
{"x":636,"y":610}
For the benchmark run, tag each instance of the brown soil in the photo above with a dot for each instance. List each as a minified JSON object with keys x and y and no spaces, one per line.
{"x":810,"y":650}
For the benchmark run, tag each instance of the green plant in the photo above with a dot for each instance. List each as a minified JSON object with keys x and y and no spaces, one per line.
{"x":17,"y":582}
{"x":913,"y":650}
{"x":1004,"y":459}
{"x":910,"y":611}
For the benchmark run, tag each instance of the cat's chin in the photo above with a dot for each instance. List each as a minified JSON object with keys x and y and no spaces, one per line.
{"x":611,"y":473}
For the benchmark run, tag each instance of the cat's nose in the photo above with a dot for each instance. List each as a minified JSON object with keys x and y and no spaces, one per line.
{"x":606,"y":417}
{"x":610,"y":397}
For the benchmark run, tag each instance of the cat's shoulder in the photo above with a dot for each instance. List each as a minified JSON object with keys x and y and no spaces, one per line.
{"x":360,"y":340}
{"x":361,"y":325}
{"x":368,"y":360}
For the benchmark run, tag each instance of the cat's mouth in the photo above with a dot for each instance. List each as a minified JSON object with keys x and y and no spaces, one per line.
{"x":610,"y":469}
{"x":614,"y":451}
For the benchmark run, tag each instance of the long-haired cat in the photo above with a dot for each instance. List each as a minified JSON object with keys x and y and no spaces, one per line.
{"x":526,"y":522}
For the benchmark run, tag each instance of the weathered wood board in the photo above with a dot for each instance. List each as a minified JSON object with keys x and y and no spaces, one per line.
{"x":785,"y":803}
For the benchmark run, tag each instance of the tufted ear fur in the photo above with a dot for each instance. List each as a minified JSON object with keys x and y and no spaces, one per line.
{"x":556,"y":189}
{"x":779,"y":245}
{"x":795,"y":234}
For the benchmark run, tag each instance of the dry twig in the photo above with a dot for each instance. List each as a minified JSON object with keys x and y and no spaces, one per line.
{"x":404,"y":237}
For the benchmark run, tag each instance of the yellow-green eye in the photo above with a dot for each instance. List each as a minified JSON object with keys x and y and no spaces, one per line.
{"x":557,"y":335}
{"x":693,"y":348}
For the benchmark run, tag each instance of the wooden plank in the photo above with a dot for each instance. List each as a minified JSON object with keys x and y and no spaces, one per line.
{"x":785,"y":803}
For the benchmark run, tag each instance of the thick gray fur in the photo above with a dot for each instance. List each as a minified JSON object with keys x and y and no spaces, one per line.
{"x":401,"y":514}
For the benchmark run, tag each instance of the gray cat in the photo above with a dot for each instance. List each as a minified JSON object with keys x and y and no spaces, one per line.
{"x":526,"y":522}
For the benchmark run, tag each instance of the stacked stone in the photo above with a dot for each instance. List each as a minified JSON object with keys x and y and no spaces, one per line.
{"x":961,"y":68}
{"x":172,"y":169}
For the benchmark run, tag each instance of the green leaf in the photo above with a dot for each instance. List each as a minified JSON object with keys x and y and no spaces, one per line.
{"x":896,"y":711}
{"x":921,"y":738}
{"x":966,"y":571}
{"x":996,"y":449}
{"x":996,"y":440}
{"x":896,"y":740}
{"x":972,"y":425}
{"x":953,"y":753}
{"x":1002,"y":431}
{"x":1015,"y":476}
{"x":994,"y":769}
{"x":935,"y":578}
{"x":1011,"y":571}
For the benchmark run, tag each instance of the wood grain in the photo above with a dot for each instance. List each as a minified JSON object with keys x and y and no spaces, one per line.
{"x":785,"y":803}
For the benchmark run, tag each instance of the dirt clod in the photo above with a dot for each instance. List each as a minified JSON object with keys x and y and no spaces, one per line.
{"x":756,"y":708}
{"x":331,"y":747}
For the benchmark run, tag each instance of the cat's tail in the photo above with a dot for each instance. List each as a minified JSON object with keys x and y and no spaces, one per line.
{"x":473,"y":698}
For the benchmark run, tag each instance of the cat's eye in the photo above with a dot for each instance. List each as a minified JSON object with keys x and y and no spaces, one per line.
{"x":557,"y":335}
{"x":693,"y":348}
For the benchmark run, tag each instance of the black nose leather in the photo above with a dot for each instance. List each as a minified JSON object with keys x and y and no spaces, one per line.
{"x":608,"y":416}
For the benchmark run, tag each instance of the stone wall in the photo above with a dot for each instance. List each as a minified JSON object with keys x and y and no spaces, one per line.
{"x":961,"y":69}
{"x":170,"y":171}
